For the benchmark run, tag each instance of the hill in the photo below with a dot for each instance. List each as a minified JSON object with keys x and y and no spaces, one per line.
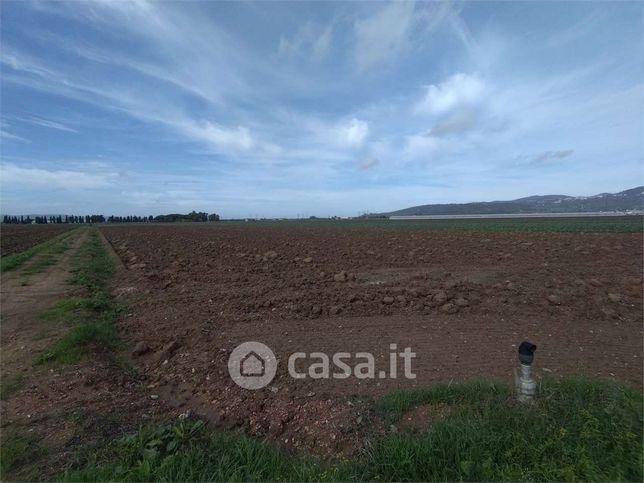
{"x":632,"y":199}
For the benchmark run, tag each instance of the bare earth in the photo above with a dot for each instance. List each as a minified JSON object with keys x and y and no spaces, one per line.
{"x":462,"y":301}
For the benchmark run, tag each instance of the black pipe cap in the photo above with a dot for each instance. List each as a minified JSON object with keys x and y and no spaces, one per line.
{"x":526,"y":352}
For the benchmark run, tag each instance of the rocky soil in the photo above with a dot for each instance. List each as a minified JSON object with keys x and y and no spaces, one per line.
{"x":463,"y":301}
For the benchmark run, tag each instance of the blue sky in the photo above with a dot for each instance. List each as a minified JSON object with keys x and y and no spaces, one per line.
{"x":315,"y":108}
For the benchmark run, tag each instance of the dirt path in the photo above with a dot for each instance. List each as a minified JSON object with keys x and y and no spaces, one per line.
{"x":58,"y":409}
{"x":23,"y":298}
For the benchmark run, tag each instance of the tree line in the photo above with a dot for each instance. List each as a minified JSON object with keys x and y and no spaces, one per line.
{"x":193,"y":216}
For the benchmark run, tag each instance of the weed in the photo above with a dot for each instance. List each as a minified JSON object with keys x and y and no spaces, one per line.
{"x":15,"y":450}
{"x":65,"y":310}
{"x":580,"y":429}
{"x":79,"y":340}
{"x":10,"y":384}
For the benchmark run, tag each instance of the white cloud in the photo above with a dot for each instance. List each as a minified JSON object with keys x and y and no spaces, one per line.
{"x":226,"y":139}
{"x":50,"y":124}
{"x":232,"y":141}
{"x":322,"y":45}
{"x":309,"y":41}
{"x":347,"y":134}
{"x":383,"y":35}
{"x":12,"y":137}
{"x":238,"y":140}
{"x":399,"y":25}
{"x":459,"y":90}
{"x":11,"y":59}
{"x":420,"y":146}
{"x":577,"y":30}
{"x":12,"y":175}
{"x":353,"y":133}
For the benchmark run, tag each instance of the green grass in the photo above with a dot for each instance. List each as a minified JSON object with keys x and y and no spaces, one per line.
{"x":48,"y":258}
{"x":80,"y":340}
{"x":10,"y":383}
{"x":15,"y":450}
{"x":187,"y":451}
{"x":393,"y":405}
{"x":66,"y":310}
{"x":580,"y":429}
{"x":41,"y":334}
{"x":93,"y":314}
{"x":625,"y":224}
{"x":13,"y":261}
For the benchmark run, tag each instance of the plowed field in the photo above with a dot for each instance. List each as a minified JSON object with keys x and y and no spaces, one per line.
{"x":462,"y":300}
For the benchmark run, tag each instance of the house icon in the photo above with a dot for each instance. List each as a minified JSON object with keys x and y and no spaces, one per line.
{"x":252,"y":365}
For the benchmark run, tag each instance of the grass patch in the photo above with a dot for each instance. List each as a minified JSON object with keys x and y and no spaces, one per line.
{"x":13,"y":261}
{"x":93,"y":314}
{"x":49,"y":257}
{"x":580,"y":429}
{"x":394,"y":404}
{"x":41,"y":334}
{"x":10,"y":384}
{"x":80,"y":340}
{"x":42,"y":262}
{"x":66,"y":310}
{"x":187,"y":451}
{"x":15,"y":450}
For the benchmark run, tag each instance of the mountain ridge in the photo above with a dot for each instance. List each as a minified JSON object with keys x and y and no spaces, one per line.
{"x":627,"y":200}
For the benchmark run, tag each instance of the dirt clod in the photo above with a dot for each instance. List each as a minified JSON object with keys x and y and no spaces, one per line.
{"x":140,"y":348}
{"x":554,"y":299}
{"x":341,"y":276}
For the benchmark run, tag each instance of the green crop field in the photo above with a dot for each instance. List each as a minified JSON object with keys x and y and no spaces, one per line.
{"x":611,"y":224}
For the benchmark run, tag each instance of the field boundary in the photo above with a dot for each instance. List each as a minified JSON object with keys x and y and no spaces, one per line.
{"x":15,"y":260}
{"x":467,"y":432}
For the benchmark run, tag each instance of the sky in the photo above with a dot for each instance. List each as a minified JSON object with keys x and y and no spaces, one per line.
{"x":286,"y":109}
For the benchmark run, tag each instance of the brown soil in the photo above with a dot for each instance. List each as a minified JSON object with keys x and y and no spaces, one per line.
{"x":463,"y":301}
{"x":17,"y":238}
